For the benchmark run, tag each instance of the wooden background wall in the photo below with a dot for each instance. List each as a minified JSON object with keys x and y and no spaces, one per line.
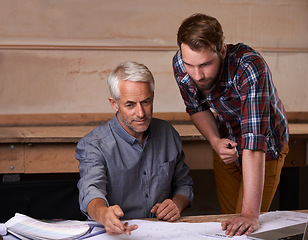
{"x":55,"y":56}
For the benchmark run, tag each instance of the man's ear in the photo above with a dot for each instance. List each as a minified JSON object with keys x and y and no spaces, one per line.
{"x":113,"y":104}
{"x":224,"y":51}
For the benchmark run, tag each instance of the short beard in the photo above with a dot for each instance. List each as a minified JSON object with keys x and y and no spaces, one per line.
{"x":129,"y":125}
{"x":214,"y":80}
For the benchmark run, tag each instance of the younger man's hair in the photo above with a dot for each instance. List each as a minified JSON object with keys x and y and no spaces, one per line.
{"x":201,"y":31}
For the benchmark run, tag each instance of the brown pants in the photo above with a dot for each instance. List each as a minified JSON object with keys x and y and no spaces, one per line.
{"x":229,"y":182}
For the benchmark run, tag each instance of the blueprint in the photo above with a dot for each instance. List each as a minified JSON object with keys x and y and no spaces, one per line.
{"x":159,"y":230}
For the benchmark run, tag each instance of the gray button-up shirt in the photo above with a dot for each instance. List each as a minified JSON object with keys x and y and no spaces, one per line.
{"x":116,"y":167}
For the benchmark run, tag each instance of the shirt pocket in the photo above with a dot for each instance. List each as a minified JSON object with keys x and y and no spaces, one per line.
{"x":165,"y":176}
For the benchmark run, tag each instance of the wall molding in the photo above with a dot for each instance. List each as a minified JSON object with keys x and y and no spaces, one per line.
{"x":129,"y":48}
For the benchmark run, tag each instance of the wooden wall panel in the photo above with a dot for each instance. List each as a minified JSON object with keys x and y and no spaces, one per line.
{"x":262,"y":23}
{"x":51,"y":158}
{"x":12,"y":158}
{"x":54,"y":81}
{"x":55,"y":56}
{"x":75,"y":81}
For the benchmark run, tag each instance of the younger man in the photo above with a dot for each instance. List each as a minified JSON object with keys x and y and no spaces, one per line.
{"x":251,"y":141}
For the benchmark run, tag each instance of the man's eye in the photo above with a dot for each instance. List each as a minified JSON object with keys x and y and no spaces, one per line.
{"x":147,"y":102}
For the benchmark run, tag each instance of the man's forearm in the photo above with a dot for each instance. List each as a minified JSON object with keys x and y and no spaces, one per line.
{"x":253,"y":181}
{"x":206,"y":124}
{"x":180,"y":201}
{"x":95,"y":208}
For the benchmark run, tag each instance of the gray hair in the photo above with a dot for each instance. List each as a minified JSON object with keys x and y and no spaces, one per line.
{"x":131,"y":71}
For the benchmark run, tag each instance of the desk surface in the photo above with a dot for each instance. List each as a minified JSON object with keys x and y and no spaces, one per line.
{"x":214,"y":218}
{"x":190,"y":219}
{"x":68,"y":133}
{"x":55,"y":134}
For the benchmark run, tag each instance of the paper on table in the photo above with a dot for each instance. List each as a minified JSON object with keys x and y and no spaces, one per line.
{"x":3,"y":229}
{"x":279,"y":219}
{"x":31,"y":228}
{"x":207,"y":230}
{"x":177,"y":231}
{"x":95,"y":229}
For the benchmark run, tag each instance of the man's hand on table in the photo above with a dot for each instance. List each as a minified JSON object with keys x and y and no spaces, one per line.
{"x":240,"y":225}
{"x":170,"y":209}
{"x":167,"y":210}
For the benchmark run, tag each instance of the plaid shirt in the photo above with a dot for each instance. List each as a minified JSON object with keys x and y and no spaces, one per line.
{"x":245,"y":100}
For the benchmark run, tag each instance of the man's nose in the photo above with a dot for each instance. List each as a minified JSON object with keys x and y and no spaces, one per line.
{"x":140,"y":111}
{"x":198,"y":74}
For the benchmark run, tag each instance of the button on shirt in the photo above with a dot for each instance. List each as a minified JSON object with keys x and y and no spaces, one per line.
{"x":245,"y":99}
{"x":116,"y":167}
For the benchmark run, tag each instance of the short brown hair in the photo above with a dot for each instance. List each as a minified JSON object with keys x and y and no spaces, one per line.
{"x":201,"y":31}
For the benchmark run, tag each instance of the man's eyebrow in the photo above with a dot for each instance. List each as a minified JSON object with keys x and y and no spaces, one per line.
{"x":146,"y":99}
{"x":187,"y":63}
{"x":207,"y":62}
{"x":129,"y":101}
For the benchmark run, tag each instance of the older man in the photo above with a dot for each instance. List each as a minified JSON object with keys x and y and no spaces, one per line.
{"x":133,"y":166}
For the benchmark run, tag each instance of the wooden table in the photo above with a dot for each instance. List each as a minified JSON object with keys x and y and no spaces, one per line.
{"x":51,"y":149}
{"x":214,"y":218}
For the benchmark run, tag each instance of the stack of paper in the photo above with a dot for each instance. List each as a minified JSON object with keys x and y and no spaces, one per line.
{"x":25,"y":227}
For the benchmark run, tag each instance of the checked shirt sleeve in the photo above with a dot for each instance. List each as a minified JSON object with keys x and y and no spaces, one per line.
{"x":256,"y":94}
